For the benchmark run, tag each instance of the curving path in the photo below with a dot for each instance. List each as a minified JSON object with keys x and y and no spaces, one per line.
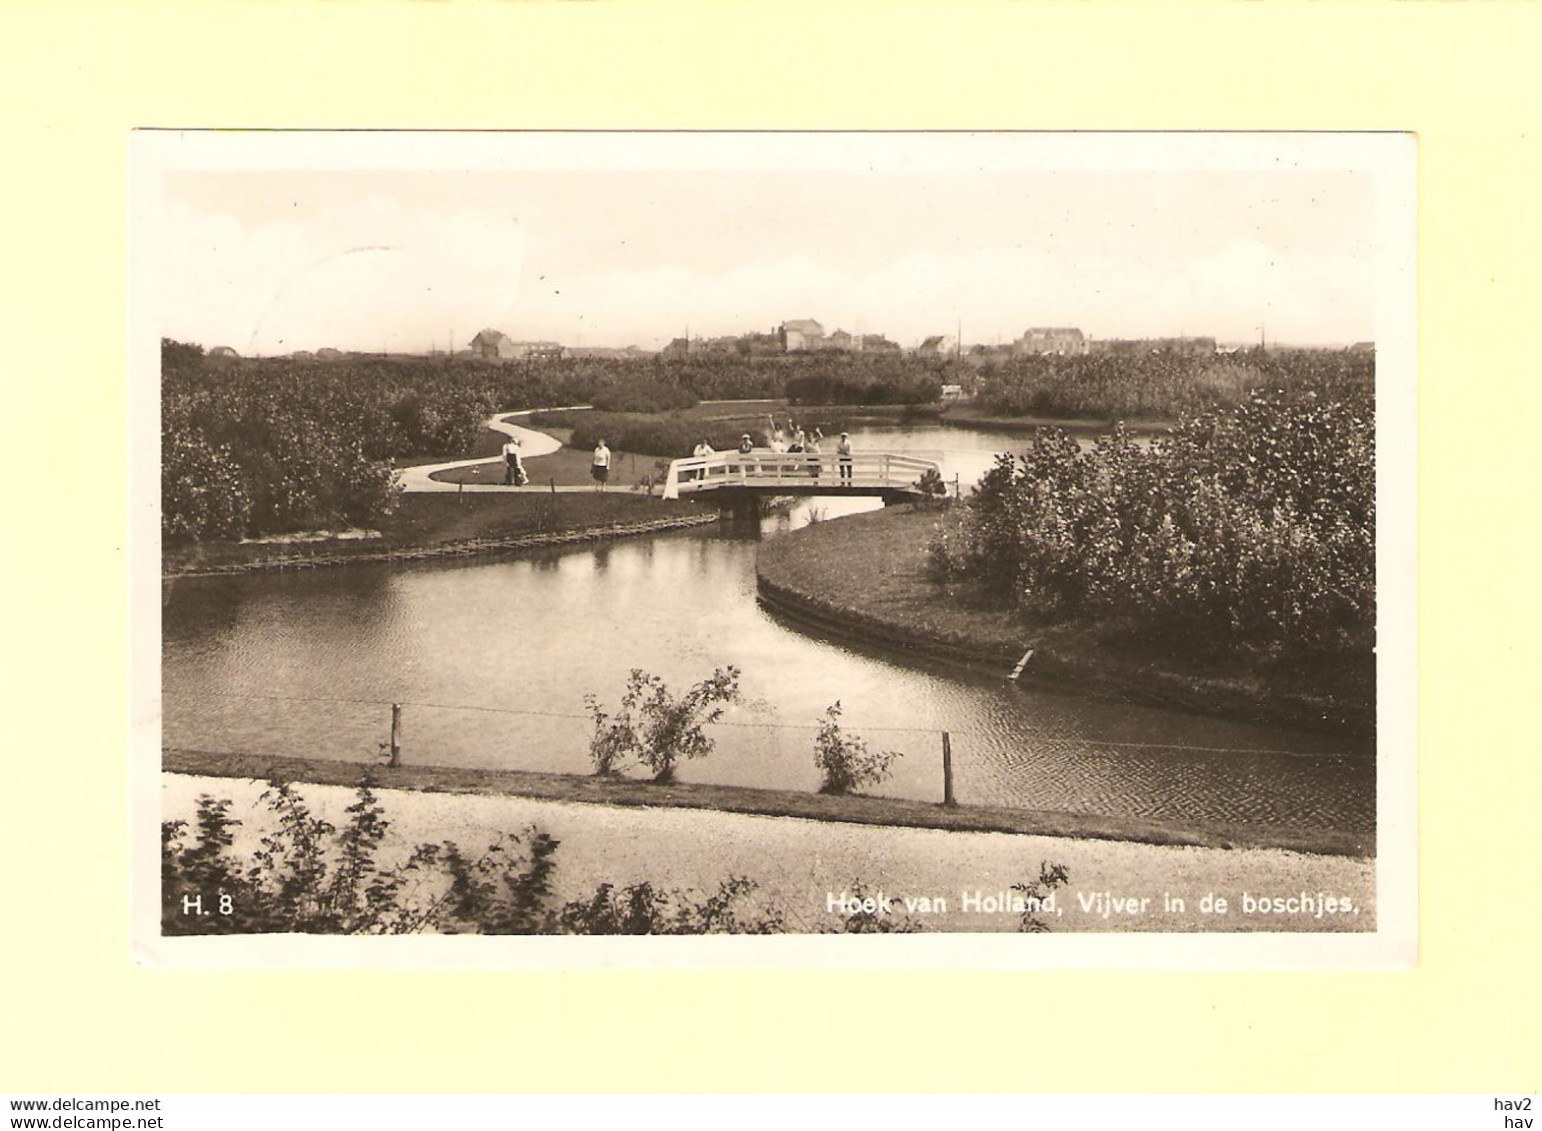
{"x":531,"y":444}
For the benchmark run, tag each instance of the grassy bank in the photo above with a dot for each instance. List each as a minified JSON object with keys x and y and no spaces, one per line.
{"x":866,"y":575}
{"x":848,"y":809}
{"x":422,"y":521}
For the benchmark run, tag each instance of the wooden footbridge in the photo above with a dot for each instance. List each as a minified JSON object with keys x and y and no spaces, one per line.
{"x":734,"y":475}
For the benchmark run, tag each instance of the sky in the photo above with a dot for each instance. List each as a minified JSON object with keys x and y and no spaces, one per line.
{"x":271,"y":262}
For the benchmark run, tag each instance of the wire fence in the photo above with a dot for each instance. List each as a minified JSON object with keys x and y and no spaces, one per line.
{"x":1043,"y":768}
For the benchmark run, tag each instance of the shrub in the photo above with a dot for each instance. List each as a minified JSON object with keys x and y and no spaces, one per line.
{"x":308,"y":876}
{"x":642,"y":909}
{"x":1051,"y":877}
{"x":641,"y":396}
{"x":1247,"y":528}
{"x":844,"y":759}
{"x":657,"y":729}
{"x":931,"y":484}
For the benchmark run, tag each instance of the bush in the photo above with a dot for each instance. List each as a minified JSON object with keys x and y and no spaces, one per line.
{"x":657,"y":729}
{"x":256,"y":447}
{"x":1162,"y":383}
{"x":1250,"y":528}
{"x":309,"y":877}
{"x":844,"y":760}
{"x":641,"y":395}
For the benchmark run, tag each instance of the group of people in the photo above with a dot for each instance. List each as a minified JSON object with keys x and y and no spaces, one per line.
{"x":793,"y":440}
{"x":513,"y":466}
{"x":514,"y":474}
{"x":802,"y":443}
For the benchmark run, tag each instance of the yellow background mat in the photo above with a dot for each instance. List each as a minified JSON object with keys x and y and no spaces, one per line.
{"x":78,"y":77}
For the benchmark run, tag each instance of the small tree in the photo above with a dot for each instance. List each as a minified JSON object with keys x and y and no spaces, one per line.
{"x":614,"y":737}
{"x":655,"y":727}
{"x":931,"y":484}
{"x":845,"y":760}
{"x":1034,"y":892}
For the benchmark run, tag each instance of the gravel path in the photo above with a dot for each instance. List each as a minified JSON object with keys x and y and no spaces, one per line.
{"x":800,"y":865}
{"x":531,"y":444}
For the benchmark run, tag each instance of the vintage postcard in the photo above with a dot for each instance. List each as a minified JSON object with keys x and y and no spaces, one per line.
{"x":560,"y":549}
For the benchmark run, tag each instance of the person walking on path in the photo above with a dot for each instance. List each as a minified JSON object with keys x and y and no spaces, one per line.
{"x":843,"y":451}
{"x":514,"y":468}
{"x":600,"y":468}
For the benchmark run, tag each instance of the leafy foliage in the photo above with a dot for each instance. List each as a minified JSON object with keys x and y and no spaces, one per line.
{"x":1161,"y":383}
{"x":309,"y":877}
{"x":306,"y":876}
{"x":844,"y":759}
{"x":642,"y":909}
{"x":866,"y":381}
{"x":641,"y":395}
{"x":1051,"y":877}
{"x":1251,"y":527}
{"x":657,"y":729}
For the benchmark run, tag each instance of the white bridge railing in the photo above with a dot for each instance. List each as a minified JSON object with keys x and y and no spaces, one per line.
{"x":800,"y":473}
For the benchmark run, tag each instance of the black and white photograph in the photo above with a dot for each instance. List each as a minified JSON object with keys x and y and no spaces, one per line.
{"x":1000,"y":540}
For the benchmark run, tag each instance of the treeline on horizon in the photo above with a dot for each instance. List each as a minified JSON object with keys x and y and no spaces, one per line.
{"x":253,"y":447}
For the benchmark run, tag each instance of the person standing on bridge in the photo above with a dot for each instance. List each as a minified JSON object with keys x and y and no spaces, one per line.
{"x":514,"y":468}
{"x":746,"y":447}
{"x":701,"y":451}
{"x":812,"y":449}
{"x":600,"y":468}
{"x":843,"y":451}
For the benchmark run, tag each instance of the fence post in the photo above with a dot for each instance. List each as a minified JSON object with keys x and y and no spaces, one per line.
{"x":396,"y":735}
{"x":947,"y":773}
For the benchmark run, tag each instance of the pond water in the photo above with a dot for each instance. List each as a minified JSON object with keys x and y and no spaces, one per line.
{"x":492,"y":660}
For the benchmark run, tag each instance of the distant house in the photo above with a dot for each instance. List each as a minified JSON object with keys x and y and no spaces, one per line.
{"x":302,"y":355}
{"x":801,"y":334}
{"x":224,"y":352}
{"x":1363,"y":347}
{"x":327,"y":353}
{"x":493,"y":345}
{"x":538,"y":351}
{"x":841,"y":340}
{"x":1065,"y":340}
